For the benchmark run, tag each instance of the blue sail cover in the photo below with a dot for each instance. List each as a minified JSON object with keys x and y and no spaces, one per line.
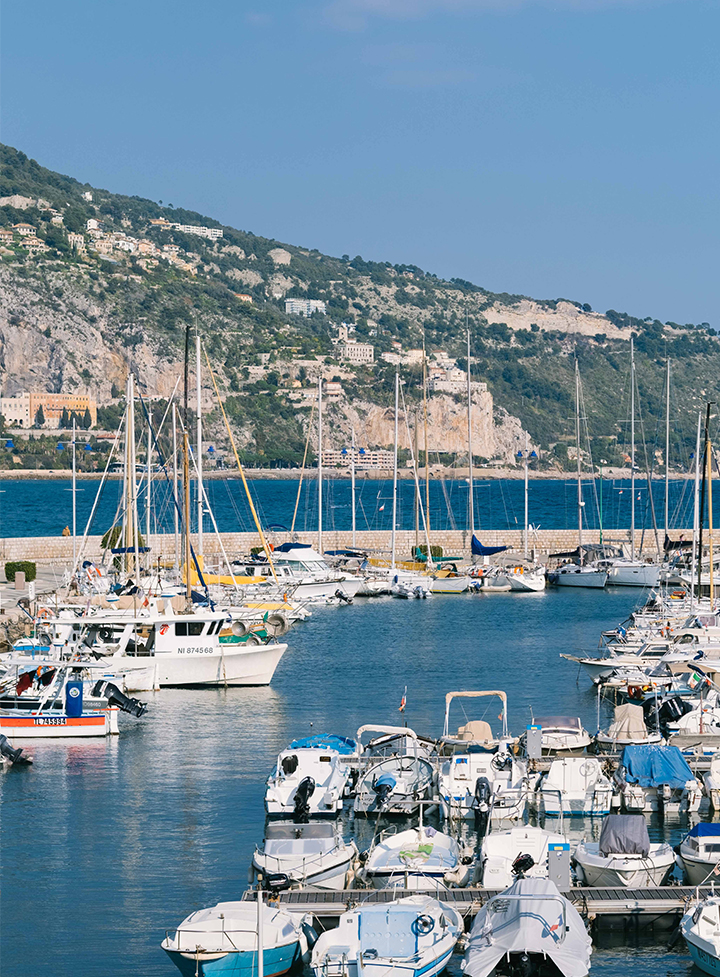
{"x":326,"y":741}
{"x":653,"y":766}
{"x":479,"y":550}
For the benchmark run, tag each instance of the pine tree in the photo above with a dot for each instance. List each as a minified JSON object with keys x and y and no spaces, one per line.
{"x":64,"y":420}
{"x":40,"y":417}
{"x":87,"y":419}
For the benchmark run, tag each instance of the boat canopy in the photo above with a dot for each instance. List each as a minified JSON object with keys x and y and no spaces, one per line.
{"x":326,"y":741}
{"x":629,"y":723}
{"x":286,"y":547}
{"x":478,"y":549}
{"x":559,"y":722}
{"x":282,"y":830}
{"x":704,"y":829}
{"x":654,"y":766}
{"x":625,"y":834}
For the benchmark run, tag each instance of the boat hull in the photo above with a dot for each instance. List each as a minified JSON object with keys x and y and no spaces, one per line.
{"x":240,"y":963}
{"x":46,"y":726}
{"x":227,"y":665}
{"x":578,"y":578}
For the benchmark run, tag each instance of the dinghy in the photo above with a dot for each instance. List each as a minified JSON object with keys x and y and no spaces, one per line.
{"x":501,"y":849}
{"x":408,"y":937}
{"x":700,"y":926}
{"x":527,"y":924}
{"x":562,"y":735}
{"x":308,"y":855}
{"x":624,"y":855}
{"x":699,"y":852}
{"x":656,"y":778}
{"x":419,"y":858}
{"x":310,"y":778}
{"x":575,"y":785}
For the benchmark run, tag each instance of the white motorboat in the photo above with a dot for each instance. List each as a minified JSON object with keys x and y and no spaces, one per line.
{"x":310,"y":855}
{"x":224,"y":939}
{"x":500,"y":849}
{"x":399,"y":782}
{"x":527,"y":579}
{"x":419,"y":588}
{"x":562,"y":735}
{"x":481,"y":777}
{"x":575,"y":786}
{"x":310,"y":778}
{"x":572,"y":575}
{"x":712,"y":782}
{"x":699,"y":852}
{"x":628,"y":728}
{"x":419,"y":858}
{"x":528,"y":923}
{"x":306,"y":572}
{"x":623,"y":856}
{"x":700,"y":926}
{"x":407,"y":937}
{"x":656,"y":778}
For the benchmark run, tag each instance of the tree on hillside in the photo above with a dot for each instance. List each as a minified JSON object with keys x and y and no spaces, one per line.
{"x":40,"y":417}
{"x":87,"y":419}
{"x":64,"y":419}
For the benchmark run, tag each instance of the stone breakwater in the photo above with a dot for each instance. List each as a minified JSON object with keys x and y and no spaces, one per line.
{"x":58,"y":550}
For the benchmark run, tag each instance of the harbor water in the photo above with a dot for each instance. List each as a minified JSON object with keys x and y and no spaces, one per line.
{"x":108,"y":844}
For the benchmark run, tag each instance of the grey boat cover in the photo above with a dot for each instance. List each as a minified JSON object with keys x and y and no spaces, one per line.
{"x":629,"y":723}
{"x":532,"y":923}
{"x":624,"y":834}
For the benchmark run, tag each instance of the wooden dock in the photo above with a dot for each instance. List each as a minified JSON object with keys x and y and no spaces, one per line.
{"x":633,"y":906}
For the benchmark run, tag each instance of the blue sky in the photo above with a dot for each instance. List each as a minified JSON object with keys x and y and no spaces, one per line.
{"x":565,"y":148}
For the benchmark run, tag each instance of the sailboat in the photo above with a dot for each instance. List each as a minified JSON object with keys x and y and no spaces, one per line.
{"x":526,"y":576}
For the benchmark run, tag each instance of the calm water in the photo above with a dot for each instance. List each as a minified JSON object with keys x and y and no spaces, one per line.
{"x":44,"y":508}
{"x":106,"y":845}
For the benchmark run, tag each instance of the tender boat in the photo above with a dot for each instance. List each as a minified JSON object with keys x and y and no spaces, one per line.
{"x":627,"y":729}
{"x":562,"y":735}
{"x":310,"y":855}
{"x":398,"y":783}
{"x":527,"y":924}
{"x":623,"y":856}
{"x":223,"y":939}
{"x":700,"y":926}
{"x":501,"y":849}
{"x":408,"y":937}
{"x":419,"y":858}
{"x":656,"y":778}
{"x":310,"y":778}
{"x":419,"y":589}
{"x":699,"y":852}
{"x":575,"y":785}
{"x":572,"y":575}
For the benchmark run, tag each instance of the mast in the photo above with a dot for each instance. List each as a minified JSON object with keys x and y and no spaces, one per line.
{"x":708,"y":455}
{"x":427,"y":456}
{"x":471,"y":511}
{"x":632,"y":448}
{"x":175,"y":486}
{"x":417,"y":486}
{"x":319,"y":476}
{"x":696,"y":513}
{"x":667,"y":450}
{"x":148,"y":492}
{"x":526,"y":496}
{"x":702,"y":502}
{"x":395,"y":470}
{"x":198,"y":446}
{"x":352,"y":483}
{"x":74,"y":496}
{"x":579,"y":463}
{"x":186,"y":474}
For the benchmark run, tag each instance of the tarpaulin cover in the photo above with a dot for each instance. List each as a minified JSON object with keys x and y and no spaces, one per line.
{"x":629,"y":723}
{"x":704,"y":829}
{"x":653,"y":766}
{"x":625,"y":834}
{"x":479,"y":550}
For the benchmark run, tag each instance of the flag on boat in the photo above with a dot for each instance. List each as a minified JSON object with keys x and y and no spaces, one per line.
{"x":403,"y":701}
{"x":381,"y":507}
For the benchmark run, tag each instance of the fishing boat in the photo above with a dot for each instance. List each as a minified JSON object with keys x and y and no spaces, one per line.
{"x":312,"y":855}
{"x":397,"y":783}
{"x":419,"y":858}
{"x":310,"y":778}
{"x":700,"y":927}
{"x":526,"y":925}
{"x":224,"y":939}
{"x":699,"y":852}
{"x":623,"y":856}
{"x":656,"y":778}
{"x":575,"y":786}
{"x":408,"y":937}
{"x":501,"y":849}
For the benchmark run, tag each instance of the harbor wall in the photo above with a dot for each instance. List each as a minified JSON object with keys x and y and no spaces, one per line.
{"x":58,"y":550}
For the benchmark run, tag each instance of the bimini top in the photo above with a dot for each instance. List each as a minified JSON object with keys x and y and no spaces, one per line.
{"x":654,"y":766}
{"x":326,"y":741}
{"x":559,"y":722}
{"x":704,"y":829}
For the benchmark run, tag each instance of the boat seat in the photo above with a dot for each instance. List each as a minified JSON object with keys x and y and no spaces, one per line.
{"x":476,"y":731}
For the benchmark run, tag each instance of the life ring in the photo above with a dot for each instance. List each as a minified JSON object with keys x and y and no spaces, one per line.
{"x":44,"y":614}
{"x":164,"y":629}
{"x":422,"y":925}
{"x":678,"y":595}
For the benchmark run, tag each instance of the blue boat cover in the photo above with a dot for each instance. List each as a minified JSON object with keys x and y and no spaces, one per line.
{"x":704,"y":829}
{"x":325,"y":741}
{"x":479,"y":550}
{"x":653,"y":766}
{"x":286,"y":547}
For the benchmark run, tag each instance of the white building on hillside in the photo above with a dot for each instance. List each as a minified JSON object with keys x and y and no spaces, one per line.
{"x":304,"y":307}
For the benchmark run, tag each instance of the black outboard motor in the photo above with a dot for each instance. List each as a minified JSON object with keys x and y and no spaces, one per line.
{"x":481,"y":804}
{"x":14,"y":756}
{"x":275,"y":882}
{"x":106,"y":690}
{"x":383,"y":787}
{"x":522,"y":864}
{"x":306,"y":788}
{"x":671,"y":710}
{"x":343,"y":597}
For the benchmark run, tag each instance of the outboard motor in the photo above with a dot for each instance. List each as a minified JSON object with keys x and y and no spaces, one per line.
{"x":522,"y":864}
{"x":289,"y":764}
{"x":14,"y":756}
{"x":275,"y":882}
{"x":481,"y":804}
{"x":383,"y":786}
{"x":343,"y":597}
{"x":671,"y":710}
{"x":305,"y":790}
{"x":106,"y":690}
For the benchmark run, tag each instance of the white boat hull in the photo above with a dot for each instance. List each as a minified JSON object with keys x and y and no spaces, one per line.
{"x":232,"y":664}
{"x":634,"y":576}
{"x":580,"y":578}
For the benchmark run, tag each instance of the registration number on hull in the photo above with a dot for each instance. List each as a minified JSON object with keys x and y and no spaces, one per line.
{"x":50,"y":721}
{"x":195,"y":651}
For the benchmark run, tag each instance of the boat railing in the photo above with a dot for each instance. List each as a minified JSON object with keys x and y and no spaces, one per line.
{"x":502,"y":897}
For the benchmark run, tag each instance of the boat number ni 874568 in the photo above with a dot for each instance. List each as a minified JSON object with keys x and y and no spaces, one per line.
{"x":195,"y":651}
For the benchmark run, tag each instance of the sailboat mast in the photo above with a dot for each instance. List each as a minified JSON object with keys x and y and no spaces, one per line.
{"x":148,"y":493}
{"x":198,"y":445}
{"x":708,"y":456}
{"x":74,"y":496}
{"x":427,"y":454}
{"x":319,"y":463}
{"x":526,"y":496}
{"x":352,"y":483}
{"x":471,"y":510}
{"x":667,"y":450}
{"x":632,"y":448}
{"x":696,"y":515}
{"x":395,"y":470}
{"x":186,"y":474}
{"x":175,"y":486}
{"x":579,"y":463}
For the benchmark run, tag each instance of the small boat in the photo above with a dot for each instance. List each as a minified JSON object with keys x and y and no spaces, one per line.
{"x":501,"y":849}
{"x":526,"y":579}
{"x":656,"y":778}
{"x":699,"y":852}
{"x":712,"y":782}
{"x":223,"y":939}
{"x":400,"y":781}
{"x":416,"y":589}
{"x":527,"y":924}
{"x":700,"y":926}
{"x":408,"y":937}
{"x":562,"y":735}
{"x":624,"y":855}
{"x":572,"y":575}
{"x":310,"y":778}
{"x":575,"y":785}
{"x":419,"y":858}
{"x":627,"y":729}
{"x":310,"y":855}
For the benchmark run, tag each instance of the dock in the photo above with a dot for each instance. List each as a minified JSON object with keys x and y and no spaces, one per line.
{"x":631,"y":907}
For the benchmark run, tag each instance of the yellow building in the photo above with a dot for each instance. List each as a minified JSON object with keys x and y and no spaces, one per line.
{"x":22,"y":409}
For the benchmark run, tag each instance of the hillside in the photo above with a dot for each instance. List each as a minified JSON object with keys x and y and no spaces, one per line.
{"x":97,"y":283}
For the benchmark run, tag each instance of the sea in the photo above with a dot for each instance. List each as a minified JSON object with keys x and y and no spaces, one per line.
{"x":105,"y":846}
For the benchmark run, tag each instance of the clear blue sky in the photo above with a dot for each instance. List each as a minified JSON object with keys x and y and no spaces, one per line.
{"x":565,"y":148}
